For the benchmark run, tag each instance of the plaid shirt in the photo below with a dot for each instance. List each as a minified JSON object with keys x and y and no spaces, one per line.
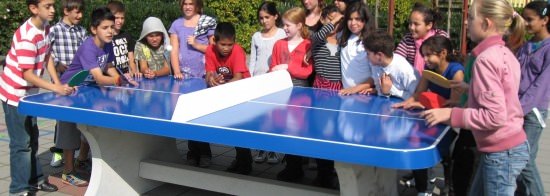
{"x":65,"y":40}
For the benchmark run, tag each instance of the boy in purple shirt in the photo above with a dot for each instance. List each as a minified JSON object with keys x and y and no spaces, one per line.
{"x":95,"y":55}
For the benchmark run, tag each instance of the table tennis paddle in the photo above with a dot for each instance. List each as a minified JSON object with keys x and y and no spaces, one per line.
{"x":436,"y":78}
{"x":78,"y":78}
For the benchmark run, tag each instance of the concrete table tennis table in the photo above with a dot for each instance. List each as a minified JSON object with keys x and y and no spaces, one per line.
{"x":131,"y":133}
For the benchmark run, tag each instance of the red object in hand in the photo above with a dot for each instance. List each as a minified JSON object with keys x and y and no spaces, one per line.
{"x":431,"y":100}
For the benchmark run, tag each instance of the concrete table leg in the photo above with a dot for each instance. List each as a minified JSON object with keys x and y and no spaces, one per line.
{"x":116,"y":157}
{"x":362,"y":180}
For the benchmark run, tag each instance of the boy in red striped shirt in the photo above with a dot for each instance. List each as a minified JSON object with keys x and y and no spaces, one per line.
{"x":21,"y":77}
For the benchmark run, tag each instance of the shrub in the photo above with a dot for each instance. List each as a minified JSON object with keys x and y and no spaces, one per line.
{"x":12,"y":15}
{"x":240,"y":13}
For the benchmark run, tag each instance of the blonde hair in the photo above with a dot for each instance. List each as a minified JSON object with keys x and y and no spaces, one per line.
{"x":506,"y":20}
{"x":297,"y":15}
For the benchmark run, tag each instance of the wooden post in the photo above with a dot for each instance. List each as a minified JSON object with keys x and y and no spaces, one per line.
{"x":376,"y":14}
{"x":449,"y":13}
{"x":463,"y":39}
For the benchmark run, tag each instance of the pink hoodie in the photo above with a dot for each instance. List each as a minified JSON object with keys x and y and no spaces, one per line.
{"x":493,"y":112}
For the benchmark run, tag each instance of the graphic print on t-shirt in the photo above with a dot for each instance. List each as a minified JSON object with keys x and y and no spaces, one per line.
{"x":120,"y":50}
{"x":102,"y":62}
{"x":225,"y":72}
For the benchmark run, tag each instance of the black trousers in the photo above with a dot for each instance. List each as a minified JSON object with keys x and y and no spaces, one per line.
{"x":464,"y":162}
{"x":244,"y":155}
{"x":198,"y":149}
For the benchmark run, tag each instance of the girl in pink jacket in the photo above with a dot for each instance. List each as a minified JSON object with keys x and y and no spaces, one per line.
{"x":493,"y":111}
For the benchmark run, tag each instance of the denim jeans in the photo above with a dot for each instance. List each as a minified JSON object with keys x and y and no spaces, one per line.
{"x":529,"y":181}
{"x":25,"y":169}
{"x":497,"y":171}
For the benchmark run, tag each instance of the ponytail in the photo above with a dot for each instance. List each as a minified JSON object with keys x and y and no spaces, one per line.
{"x":506,"y":20}
{"x":515,"y":37}
{"x":305,"y":31}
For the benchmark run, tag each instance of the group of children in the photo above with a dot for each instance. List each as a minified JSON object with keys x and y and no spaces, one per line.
{"x":499,"y":99}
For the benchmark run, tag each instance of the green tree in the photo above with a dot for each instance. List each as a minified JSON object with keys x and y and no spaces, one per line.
{"x":12,"y":15}
{"x":240,"y":13}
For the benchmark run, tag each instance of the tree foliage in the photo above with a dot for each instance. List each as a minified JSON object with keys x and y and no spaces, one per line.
{"x":241,"y":13}
{"x":12,"y":15}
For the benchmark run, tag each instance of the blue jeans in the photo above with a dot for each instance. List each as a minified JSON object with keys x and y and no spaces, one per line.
{"x":497,"y":172}
{"x":529,"y":181}
{"x":25,"y":169}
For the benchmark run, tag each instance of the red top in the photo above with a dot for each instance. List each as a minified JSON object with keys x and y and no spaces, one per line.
{"x":295,"y":59}
{"x":235,"y":62}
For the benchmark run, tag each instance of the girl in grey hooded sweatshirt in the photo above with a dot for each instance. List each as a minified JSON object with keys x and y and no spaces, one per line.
{"x":152,"y":51}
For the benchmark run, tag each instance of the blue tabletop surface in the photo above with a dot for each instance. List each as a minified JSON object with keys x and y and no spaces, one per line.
{"x":305,"y":121}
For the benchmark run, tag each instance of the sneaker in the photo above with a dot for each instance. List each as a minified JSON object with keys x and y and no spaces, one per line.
{"x":424,"y":194}
{"x":272,"y":158}
{"x":260,"y":157}
{"x":46,"y":187}
{"x":407,"y":180}
{"x":408,"y":183}
{"x":57,"y":159}
{"x":205,"y":161}
{"x":73,"y":179}
{"x":22,"y":194}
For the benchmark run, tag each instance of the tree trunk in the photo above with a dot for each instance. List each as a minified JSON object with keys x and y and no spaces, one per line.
{"x":449,"y":13}
{"x":376,"y":13}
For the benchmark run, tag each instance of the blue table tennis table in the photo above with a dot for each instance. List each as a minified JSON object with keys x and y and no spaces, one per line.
{"x":131,"y":136}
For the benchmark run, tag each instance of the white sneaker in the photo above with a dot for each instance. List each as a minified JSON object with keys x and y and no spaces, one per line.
{"x":424,"y":194}
{"x":272,"y":158}
{"x":260,"y":157}
{"x":409,"y":183}
{"x":57,"y":159}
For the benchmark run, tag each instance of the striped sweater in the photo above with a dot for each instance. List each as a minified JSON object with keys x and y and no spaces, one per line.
{"x":28,"y":50}
{"x":326,"y":63}
{"x":407,"y":47}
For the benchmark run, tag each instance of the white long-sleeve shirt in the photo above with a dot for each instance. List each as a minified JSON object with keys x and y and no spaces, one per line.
{"x":356,"y":68}
{"x":403,"y":76}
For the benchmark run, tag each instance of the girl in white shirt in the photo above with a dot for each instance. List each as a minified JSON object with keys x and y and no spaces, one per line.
{"x":355,"y":65}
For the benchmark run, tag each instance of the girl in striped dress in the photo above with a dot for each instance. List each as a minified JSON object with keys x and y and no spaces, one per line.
{"x":325,"y":51}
